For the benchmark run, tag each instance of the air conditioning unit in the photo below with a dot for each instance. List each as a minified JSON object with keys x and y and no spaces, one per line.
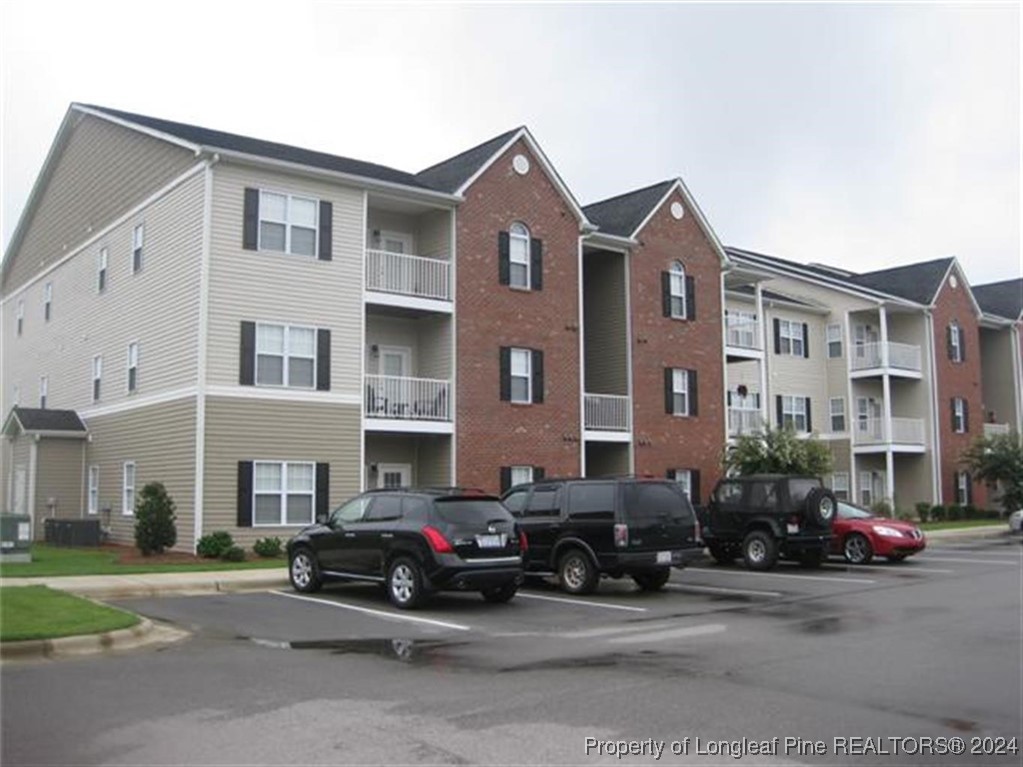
{"x":15,"y":538}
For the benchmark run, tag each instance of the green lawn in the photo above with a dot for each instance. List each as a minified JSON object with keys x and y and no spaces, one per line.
{"x":55,"y":560}
{"x":962,"y":523}
{"x":36,"y":612}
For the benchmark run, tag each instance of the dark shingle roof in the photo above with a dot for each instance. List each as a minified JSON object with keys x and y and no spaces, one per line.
{"x":622,"y":214}
{"x":768,"y":294}
{"x":449,"y":175}
{"x":1004,"y":299}
{"x":34,"y":419}
{"x":915,"y":282}
{"x":270,"y":149}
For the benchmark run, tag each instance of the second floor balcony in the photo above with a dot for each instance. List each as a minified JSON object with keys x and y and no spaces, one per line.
{"x":607,"y":412}
{"x":406,"y":399}
{"x":895,"y":358}
{"x":744,"y":421}
{"x":901,"y":432}
{"x":402,"y":274}
{"x":996,"y":429}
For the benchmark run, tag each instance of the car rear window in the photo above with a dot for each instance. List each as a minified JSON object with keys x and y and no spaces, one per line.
{"x":461,"y":512}
{"x":800,"y":488}
{"x":591,"y":500}
{"x":646,"y":501}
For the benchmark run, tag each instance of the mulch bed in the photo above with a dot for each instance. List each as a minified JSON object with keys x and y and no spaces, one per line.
{"x":129,"y":555}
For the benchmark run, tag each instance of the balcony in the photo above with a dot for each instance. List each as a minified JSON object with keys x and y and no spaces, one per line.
{"x":742,"y":337}
{"x":869,"y":359}
{"x":742,"y":421}
{"x":996,"y":430}
{"x":904,"y":435}
{"x":398,"y":403}
{"x":610,"y":414}
{"x":398,"y":277}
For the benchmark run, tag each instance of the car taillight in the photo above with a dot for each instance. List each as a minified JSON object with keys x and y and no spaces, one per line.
{"x":523,"y":542}
{"x":438,"y":542}
{"x":621,"y":535}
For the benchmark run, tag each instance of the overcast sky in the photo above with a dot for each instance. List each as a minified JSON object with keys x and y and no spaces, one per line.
{"x":856,"y":135}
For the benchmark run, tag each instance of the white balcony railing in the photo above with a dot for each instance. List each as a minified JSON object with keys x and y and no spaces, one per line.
{"x":996,"y":429}
{"x":900,"y":356}
{"x":742,"y":332}
{"x":742,"y":421}
{"x":904,"y":431}
{"x":607,"y":412}
{"x":408,"y":275}
{"x":425,"y":399}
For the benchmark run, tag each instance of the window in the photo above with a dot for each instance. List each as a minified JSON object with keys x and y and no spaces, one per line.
{"x":684,"y":478}
{"x":955,"y":342}
{"x":137,"y":239}
{"x":283,"y":493}
{"x":516,"y":502}
{"x":866,"y":488}
{"x":101,"y":271}
{"x":791,"y":338}
{"x":794,"y":413}
{"x":837,"y":406}
{"x":589,"y":500}
{"x":959,"y":415}
{"x":93,"y":489}
{"x":680,"y":391}
{"x":518,"y":256}
{"x":288,"y":224}
{"x":44,"y":390}
{"x":128,"y":496}
{"x":20,"y":315}
{"x":677,"y":290}
{"x":521,"y":375}
{"x":285,"y":356}
{"x":47,"y":300}
{"x":834,"y":341}
{"x":543,"y":502}
{"x":840,"y":485}
{"x":133,"y":367}
{"x":521,"y":475}
{"x":742,"y":328}
{"x":963,"y":488}
{"x":97,"y":375}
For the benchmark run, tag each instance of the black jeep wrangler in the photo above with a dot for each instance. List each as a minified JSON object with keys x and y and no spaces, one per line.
{"x":762,"y":516}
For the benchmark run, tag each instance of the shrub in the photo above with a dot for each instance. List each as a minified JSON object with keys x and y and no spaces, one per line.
{"x":267,"y":547}
{"x":904,"y":514}
{"x":923,"y":510}
{"x":154,"y":520}
{"x":955,"y":512}
{"x":881,"y":509}
{"x":970,"y":512}
{"x":213,"y":545}
{"x":233,"y":554}
{"x":937,"y":513}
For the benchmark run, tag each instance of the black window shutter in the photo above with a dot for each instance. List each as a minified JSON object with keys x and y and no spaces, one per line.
{"x":969,"y":488}
{"x":666,"y":294}
{"x":694,"y":408}
{"x":966,"y":414}
{"x":505,"y":478}
{"x":728,"y":395}
{"x":777,"y":336}
{"x":962,"y":344}
{"x":244,"y":494}
{"x":536,"y":264}
{"x":948,"y":341}
{"x":322,"y":490}
{"x":250,"y":220}
{"x":690,"y":298}
{"x":247,"y":355}
{"x":326,"y":231}
{"x":538,"y":473}
{"x":505,"y":374}
{"x":503,"y":258}
{"x":669,"y":392}
{"x":806,"y":340}
{"x":694,"y":486}
{"x":537,"y":376}
{"x":323,"y":359}
{"x":952,"y":408}
{"x":777,"y":407}
{"x":809,"y":421}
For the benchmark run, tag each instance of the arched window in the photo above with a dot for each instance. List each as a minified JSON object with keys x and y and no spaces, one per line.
{"x":677,"y":289}
{"x":518,"y":238}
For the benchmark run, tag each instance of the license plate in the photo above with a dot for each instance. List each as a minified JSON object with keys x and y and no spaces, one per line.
{"x":664,"y":557}
{"x":490,"y":541}
{"x":793,"y":528}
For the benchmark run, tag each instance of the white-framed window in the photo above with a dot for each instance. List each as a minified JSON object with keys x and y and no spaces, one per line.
{"x":684,"y":477}
{"x":288,"y":223}
{"x":834,"y":332}
{"x":521,"y":375}
{"x":955,"y":342}
{"x":742,"y":328}
{"x":958,"y":415}
{"x":283,"y":493}
{"x":840,"y":485}
{"x":790,"y":340}
{"x":521,"y":475}
{"x":93,"y":489}
{"x":837,"y":409}
{"x":44,"y":391}
{"x":97,"y":376}
{"x":101,"y":270}
{"x":285,"y":356}
{"x":962,"y":487}
{"x":866,"y":488}
{"x":133,"y":367}
{"x":677,"y":289}
{"x":138,"y":236}
{"x":47,"y":300}
{"x":680,"y":391}
{"x":518,"y":256}
{"x":793,"y":413}
{"x":20,"y":315}
{"x":128,"y":489}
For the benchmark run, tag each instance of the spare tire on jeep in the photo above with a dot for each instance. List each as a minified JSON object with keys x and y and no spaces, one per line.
{"x":820,"y":506}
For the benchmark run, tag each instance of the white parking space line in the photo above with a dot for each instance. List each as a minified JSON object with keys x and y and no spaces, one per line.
{"x":378,"y":613}
{"x":1017,"y":563}
{"x":696,"y":589}
{"x":677,"y":633}
{"x":768,"y":574}
{"x":891,"y":569}
{"x":582,"y":602}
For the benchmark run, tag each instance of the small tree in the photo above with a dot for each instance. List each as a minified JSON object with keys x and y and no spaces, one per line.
{"x":154,"y":520}
{"x":998,"y":459}
{"x":778,"y":451}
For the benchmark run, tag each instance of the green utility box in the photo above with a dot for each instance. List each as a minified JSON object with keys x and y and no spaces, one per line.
{"x":15,"y":538}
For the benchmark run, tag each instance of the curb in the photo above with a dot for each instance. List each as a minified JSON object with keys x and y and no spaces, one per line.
{"x":141,"y":635}
{"x":149,"y":589}
{"x":987,"y":531}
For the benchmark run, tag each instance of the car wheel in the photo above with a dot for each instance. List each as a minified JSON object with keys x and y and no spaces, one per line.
{"x":404,"y":583}
{"x":652,"y":581}
{"x":857,"y":549}
{"x":723,"y":555}
{"x":304,"y":572}
{"x":759,"y":550}
{"x":820,"y":506}
{"x":500,"y":594}
{"x":576,"y":572}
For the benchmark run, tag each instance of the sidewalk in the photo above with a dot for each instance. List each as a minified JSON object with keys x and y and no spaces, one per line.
{"x":994,"y":530}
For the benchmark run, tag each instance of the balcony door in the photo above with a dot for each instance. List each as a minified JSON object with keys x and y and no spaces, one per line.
{"x":396,"y":242}
{"x":394,"y":366}
{"x":868,"y":416}
{"x":863,"y":335}
{"x":392,"y":475}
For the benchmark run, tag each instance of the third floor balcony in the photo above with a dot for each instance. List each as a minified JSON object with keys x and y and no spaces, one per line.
{"x":610,"y":413}
{"x":876,"y":358}
{"x":395,"y":275}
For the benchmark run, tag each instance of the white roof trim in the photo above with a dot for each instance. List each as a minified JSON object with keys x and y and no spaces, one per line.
{"x":605,"y":239}
{"x":680,"y":185}
{"x":171,"y":139}
{"x":954,"y":264}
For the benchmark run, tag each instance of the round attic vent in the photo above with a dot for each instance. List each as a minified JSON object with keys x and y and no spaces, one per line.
{"x":521,"y":164}
{"x":677,"y":210}
{"x":953,"y":281}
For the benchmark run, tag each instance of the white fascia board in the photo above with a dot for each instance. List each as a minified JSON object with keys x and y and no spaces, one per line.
{"x":607,"y":241}
{"x":701,"y":219}
{"x":169,"y":138}
{"x":965,"y":283}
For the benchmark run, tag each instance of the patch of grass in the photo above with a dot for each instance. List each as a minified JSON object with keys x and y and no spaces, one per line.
{"x":37,"y":612}
{"x":962,"y":523}
{"x":56,"y":561}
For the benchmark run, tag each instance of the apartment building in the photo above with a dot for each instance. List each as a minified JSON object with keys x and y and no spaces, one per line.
{"x":1001,"y":354}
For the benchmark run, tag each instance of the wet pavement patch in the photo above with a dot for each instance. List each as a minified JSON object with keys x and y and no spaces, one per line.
{"x":413,"y":651}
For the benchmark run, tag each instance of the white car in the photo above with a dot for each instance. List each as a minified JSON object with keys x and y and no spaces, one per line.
{"x":1016,"y":522}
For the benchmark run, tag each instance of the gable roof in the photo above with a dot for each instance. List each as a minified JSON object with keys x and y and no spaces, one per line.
{"x":36,"y":420}
{"x":623,"y":214}
{"x":1004,"y":299}
{"x":915,"y":282}
{"x":449,"y":175}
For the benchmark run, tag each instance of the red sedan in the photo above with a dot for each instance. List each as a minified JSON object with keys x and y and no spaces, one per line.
{"x":859,"y":536}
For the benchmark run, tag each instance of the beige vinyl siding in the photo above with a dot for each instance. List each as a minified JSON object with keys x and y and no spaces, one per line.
{"x":247,"y":285}
{"x":157,"y":307}
{"x":427,"y":338}
{"x":913,"y":480}
{"x":430,"y":232}
{"x":378,"y":221}
{"x":799,"y":376}
{"x":19,"y":457}
{"x":435,"y":235}
{"x":100,"y":171}
{"x":389,"y":448}
{"x":243,"y":429}
{"x":429,"y":455}
{"x":160,"y":439}
{"x":997,"y":374}
{"x":841,"y":456}
{"x":59,"y":489}
{"x":605,"y":324}
{"x":434,"y":460}
{"x":435,"y":341}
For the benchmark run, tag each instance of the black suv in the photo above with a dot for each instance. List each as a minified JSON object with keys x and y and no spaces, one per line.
{"x":763,"y":516}
{"x":581,"y":529}
{"x":414,"y":542}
